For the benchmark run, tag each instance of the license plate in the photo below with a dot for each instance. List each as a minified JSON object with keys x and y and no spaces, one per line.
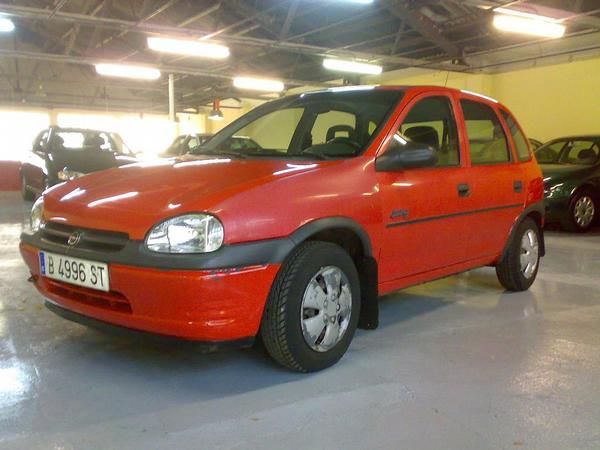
{"x":77,"y":271}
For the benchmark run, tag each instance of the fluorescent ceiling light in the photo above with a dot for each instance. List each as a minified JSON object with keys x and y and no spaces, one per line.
{"x":6,"y":25}
{"x":517,"y":12}
{"x":188,"y":47}
{"x":258,"y":84}
{"x":525,"y":25}
{"x":128,"y":71}
{"x":215,"y":114}
{"x":342,"y":65}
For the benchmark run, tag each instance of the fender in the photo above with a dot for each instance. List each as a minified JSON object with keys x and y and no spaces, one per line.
{"x":307,"y":230}
{"x":535,"y":207}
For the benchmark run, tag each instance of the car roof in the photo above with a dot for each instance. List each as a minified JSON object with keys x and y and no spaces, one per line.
{"x":407,"y":88}
{"x":592,"y":137}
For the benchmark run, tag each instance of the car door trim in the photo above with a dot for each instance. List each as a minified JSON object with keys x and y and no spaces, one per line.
{"x":448,"y":216}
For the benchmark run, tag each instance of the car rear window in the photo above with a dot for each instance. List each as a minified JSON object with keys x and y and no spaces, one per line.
{"x":519,"y":140}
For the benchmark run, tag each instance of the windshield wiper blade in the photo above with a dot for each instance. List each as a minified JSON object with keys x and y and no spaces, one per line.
{"x":206,"y":151}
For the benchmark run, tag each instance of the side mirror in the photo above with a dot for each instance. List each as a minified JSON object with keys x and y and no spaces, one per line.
{"x":410,"y":155}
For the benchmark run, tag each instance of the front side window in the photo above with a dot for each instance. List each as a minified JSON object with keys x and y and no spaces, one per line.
{"x":487,"y":141}
{"x":319,"y":125}
{"x":431,"y":121}
{"x":576,"y":151}
{"x":521,"y":144}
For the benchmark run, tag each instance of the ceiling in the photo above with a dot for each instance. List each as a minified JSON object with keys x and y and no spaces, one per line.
{"x":48,"y":59}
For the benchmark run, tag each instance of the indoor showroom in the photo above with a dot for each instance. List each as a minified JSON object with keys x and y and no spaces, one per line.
{"x":299,"y":224}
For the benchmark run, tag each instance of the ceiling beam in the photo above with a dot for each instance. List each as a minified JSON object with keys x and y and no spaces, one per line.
{"x":294,"y":47}
{"x":291,"y":14}
{"x":81,"y":60}
{"x":423,"y":25}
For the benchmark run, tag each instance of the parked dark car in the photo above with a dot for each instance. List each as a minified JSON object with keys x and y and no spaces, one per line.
{"x":571,"y":167}
{"x":61,"y":154}
{"x":185,"y":143}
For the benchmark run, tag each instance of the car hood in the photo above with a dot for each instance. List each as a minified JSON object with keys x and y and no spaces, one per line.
{"x":87,"y":161}
{"x":557,"y":173}
{"x":133,"y":198}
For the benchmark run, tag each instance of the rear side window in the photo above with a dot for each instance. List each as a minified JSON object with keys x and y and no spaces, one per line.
{"x":487,"y":141}
{"x":431,"y":121}
{"x":520,"y":142}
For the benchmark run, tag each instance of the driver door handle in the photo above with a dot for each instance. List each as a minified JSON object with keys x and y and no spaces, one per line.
{"x":464,"y":190}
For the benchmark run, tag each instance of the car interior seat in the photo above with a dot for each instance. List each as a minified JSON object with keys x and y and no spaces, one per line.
{"x":56,"y":143}
{"x":93,"y":141}
{"x":586,"y":156}
{"x":334,"y":130}
{"x":424,"y":135}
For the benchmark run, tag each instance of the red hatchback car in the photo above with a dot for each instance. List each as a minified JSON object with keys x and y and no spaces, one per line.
{"x":350,"y":193}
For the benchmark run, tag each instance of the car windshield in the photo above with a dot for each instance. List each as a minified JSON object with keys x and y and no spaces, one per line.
{"x":569,"y":151}
{"x":321,"y":125}
{"x":82,"y":140}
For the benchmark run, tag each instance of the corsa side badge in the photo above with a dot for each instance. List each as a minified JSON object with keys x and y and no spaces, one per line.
{"x":74,"y":238}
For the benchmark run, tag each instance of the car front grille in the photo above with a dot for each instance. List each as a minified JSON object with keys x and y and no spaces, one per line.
{"x":88,"y":239}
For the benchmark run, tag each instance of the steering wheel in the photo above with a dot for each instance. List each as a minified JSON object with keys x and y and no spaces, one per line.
{"x":345,"y":140}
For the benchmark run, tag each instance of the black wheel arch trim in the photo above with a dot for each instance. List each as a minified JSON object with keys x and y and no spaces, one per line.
{"x":537,"y":207}
{"x":327,"y":223}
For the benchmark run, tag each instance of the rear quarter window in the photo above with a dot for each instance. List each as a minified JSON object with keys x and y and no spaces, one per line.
{"x":519,"y":140}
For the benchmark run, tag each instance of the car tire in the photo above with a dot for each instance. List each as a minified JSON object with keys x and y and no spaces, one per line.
{"x":518,"y":268}
{"x":313,"y":308}
{"x":582,"y":212}
{"x":25,"y":191}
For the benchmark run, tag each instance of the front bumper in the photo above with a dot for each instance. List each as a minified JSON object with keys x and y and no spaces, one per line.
{"x":202,"y":305}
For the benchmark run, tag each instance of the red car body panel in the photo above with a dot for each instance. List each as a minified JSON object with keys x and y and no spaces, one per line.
{"x":258,"y":200}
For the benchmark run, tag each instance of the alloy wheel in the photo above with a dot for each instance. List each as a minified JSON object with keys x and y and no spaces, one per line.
{"x":530,"y":251}
{"x":584,"y":211}
{"x":326,"y":308}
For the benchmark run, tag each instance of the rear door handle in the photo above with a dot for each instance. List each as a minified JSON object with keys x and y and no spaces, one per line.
{"x":463,"y":190}
{"x":518,"y":186}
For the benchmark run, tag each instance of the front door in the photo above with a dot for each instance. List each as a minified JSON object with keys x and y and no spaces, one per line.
{"x":423,"y":208}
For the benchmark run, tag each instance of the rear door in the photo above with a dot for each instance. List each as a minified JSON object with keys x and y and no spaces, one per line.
{"x":423,"y":208}
{"x":496,"y":182}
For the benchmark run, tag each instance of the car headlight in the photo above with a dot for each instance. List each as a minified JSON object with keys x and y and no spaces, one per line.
{"x":190,"y":233}
{"x":66,"y":174}
{"x":36,"y":220}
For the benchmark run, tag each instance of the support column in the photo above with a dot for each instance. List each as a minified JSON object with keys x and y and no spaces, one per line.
{"x":171,"y":98}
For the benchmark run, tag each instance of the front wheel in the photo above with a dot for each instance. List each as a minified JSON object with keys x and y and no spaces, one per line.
{"x":582,"y":212}
{"x":518,"y":268}
{"x":313,"y":308}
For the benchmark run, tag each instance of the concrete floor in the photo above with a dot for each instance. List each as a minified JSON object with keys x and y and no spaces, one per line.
{"x":456,"y":364}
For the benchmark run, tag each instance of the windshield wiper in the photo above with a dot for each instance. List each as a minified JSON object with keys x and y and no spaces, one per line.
{"x":207,"y":151}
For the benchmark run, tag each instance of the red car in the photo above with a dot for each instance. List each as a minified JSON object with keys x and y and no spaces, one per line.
{"x":353,"y":193}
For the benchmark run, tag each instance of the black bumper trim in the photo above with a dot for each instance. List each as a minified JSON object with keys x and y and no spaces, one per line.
{"x":269,"y":251}
{"x":118,"y":330}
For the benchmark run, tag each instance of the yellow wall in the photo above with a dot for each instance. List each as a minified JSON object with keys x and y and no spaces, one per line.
{"x":548,"y":101}
{"x":553,"y":101}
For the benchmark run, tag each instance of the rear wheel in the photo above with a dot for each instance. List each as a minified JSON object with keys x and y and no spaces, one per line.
{"x":518,"y":269}
{"x":582,"y":212}
{"x":313,"y":308}
{"x":25,"y":191}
